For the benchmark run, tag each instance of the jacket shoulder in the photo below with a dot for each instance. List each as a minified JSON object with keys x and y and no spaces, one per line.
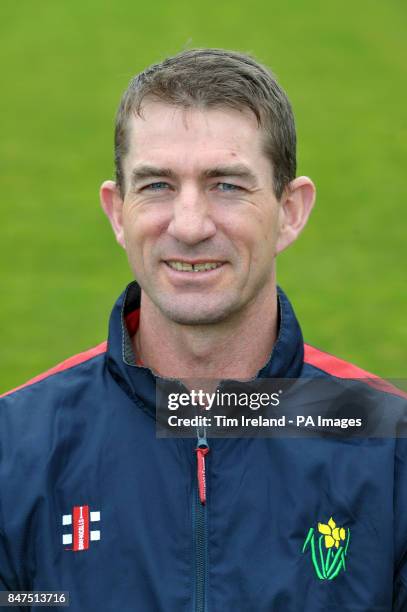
{"x":67,"y":364}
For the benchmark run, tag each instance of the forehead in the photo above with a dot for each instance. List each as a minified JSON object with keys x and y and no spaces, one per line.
{"x":188,"y":138}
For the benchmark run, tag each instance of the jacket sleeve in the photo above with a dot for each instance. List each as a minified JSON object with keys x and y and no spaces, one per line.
{"x":400,"y":596}
{"x":400,"y":528}
{"x":8,"y":580}
{"x":8,"y":577}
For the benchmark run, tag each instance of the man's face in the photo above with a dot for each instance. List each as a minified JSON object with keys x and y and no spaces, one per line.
{"x":200,"y":217}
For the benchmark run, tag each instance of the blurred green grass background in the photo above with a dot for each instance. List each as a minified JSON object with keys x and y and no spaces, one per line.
{"x":65,"y":65}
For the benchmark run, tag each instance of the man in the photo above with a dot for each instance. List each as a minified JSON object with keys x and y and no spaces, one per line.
{"x":92,"y":502}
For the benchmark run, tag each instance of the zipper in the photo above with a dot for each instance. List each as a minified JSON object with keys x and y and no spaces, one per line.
{"x":202,"y":449}
{"x":199,"y":513}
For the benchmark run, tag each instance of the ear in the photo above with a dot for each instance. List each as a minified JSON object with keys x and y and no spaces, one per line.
{"x":295,"y":208}
{"x":112,"y":204}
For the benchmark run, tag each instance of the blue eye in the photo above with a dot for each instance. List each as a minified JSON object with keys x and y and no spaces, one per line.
{"x":159,"y":186}
{"x":228,"y":187}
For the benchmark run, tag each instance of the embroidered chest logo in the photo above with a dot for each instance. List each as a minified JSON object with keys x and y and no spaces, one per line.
{"x":328,"y":551}
{"x":80,"y":534}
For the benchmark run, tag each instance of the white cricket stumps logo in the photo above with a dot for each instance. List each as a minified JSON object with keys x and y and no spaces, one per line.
{"x":81,"y":534}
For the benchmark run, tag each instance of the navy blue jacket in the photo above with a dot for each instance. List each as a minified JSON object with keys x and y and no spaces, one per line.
{"x":93,"y":503}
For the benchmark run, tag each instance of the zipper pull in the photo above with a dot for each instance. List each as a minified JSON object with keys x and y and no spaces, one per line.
{"x":202,"y":449}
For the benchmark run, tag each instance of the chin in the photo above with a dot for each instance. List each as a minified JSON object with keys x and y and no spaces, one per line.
{"x":196,"y":319}
{"x":194,"y":314}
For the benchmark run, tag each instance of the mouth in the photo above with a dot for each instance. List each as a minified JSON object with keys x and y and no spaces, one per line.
{"x":198,"y":267}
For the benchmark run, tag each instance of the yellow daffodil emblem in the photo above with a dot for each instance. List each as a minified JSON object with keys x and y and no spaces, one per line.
{"x":333,"y":534}
{"x":328,"y":561}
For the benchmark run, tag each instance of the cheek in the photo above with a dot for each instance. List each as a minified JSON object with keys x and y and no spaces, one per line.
{"x":269,"y":232}
{"x":142,"y":231}
{"x":254,"y":233}
{"x":131,"y":227}
{"x":136,"y":223}
{"x":261,"y":242}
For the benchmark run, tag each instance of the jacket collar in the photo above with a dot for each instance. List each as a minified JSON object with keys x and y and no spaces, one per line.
{"x":138,"y":382}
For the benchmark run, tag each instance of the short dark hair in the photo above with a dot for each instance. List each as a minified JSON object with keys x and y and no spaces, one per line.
{"x":208,"y":78}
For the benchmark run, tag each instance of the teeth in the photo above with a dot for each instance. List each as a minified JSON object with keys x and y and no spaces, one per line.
{"x":186,"y":267}
{"x":204,"y":266}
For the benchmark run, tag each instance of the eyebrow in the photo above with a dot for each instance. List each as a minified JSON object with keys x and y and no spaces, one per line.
{"x":235,"y":170}
{"x":147,"y":171}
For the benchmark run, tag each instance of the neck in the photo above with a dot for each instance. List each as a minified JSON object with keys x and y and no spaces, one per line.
{"x":236,"y":350}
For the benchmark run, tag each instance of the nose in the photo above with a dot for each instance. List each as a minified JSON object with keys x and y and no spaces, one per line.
{"x":191,"y":222}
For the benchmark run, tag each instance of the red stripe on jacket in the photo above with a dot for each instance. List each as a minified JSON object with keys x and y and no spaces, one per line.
{"x":343,"y":369}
